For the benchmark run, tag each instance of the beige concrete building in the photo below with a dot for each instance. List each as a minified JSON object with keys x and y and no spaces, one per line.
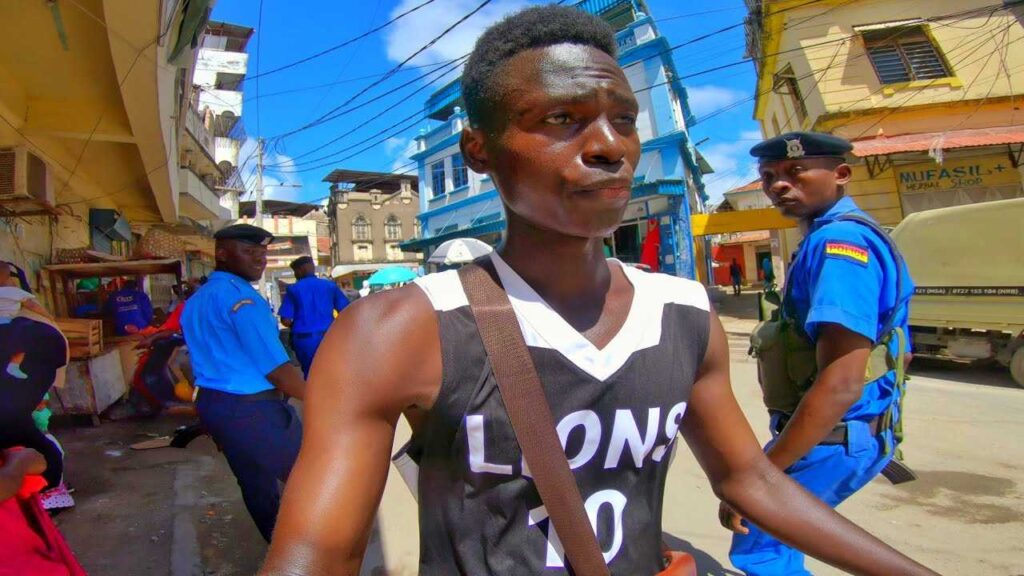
{"x":371,"y":214}
{"x":929,"y":92}
{"x":104,"y":152}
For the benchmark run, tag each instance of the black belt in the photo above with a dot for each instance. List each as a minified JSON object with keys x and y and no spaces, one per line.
{"x":301,"y":335}
{"x":839,"y":433}
{"x":272,"y":394}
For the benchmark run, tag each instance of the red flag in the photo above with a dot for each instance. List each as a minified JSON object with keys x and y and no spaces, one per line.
{"x":649,"y":254}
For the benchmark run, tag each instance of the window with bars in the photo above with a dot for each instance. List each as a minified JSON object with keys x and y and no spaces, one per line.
{"x":437,"y":178}
{"x":361,"y":228}
{"x":460,"y":175}
{"x":904,"y":55}
{"x":392,"y":228}
{"x":394,"y":252}
{"x":362,"y":252}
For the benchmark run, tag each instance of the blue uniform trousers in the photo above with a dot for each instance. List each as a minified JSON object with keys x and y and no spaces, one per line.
{"x":260,"y":439}
{"x":833,"y":473}
{"x":305,"y":345}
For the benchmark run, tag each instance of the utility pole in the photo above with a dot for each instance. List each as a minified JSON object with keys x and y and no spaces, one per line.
{"x":259,"y":185}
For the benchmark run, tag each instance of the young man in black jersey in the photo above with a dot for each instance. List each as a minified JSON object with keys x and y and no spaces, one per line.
{"x":553,"y":122}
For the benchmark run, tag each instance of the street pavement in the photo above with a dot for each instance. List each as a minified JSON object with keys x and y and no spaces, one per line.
{"x":179,"y":513}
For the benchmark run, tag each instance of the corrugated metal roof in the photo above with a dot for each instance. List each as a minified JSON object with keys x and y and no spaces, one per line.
{"x":750,"y":186}
{"x":882,"y":145}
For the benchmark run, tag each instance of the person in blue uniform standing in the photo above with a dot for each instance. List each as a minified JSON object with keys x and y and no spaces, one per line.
{"x":243,"y":372}
{"x":308,"y":308}
{"x":130,"y":309}
{"x":835,"y":404}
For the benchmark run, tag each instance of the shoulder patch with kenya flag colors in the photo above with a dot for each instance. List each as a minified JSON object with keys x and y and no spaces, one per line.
{"x":847,"y":251}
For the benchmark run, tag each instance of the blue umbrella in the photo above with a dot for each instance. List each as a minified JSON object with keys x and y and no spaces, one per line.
{"x":391,"y":275}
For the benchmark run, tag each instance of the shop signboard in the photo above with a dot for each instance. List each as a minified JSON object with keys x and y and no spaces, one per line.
{"x":956,"y":173}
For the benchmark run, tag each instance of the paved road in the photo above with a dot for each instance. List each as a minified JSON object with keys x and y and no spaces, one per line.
{"x":178,"y":512}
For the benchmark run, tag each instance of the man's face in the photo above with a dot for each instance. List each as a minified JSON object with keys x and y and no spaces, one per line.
{"x":566,"y":146}
{"x":242,"y":258}
{"x":803,"y":187}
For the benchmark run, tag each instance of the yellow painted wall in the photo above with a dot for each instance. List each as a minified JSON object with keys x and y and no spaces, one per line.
{"x":846,"y":98}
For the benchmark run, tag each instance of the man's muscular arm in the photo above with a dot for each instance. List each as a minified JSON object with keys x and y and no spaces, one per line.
{"x":381,"y":356}
{"x":843,"y":356}
{"x":743,"y":477}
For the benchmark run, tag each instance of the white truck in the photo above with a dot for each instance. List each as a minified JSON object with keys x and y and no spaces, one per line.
{"x":968,"y":265}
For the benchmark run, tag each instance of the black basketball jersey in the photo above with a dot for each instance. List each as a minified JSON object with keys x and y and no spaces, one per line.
{"x":617,"y":412}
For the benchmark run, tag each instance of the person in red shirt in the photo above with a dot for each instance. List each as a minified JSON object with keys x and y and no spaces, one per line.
{"x":31,"y":543}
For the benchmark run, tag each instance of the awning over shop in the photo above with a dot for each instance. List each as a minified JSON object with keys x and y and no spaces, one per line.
{"x":342,"y":270}
{"x":121,"y":268}
{"x":424,"y":244}
{"x":882,"y":145}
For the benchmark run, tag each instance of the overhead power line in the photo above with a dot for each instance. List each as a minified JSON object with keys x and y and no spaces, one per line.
{"x":390,"y":73}
{"x":336,"y":47}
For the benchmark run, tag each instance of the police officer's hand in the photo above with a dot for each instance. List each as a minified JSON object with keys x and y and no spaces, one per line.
{"x":730,"y":519}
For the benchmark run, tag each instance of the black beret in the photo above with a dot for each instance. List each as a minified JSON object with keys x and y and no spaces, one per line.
{"x":300,"y":261}
{"x":801,"y":145}
{"x":245,"y":233}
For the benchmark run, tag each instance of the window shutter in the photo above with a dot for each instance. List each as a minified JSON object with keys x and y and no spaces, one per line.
{"x":923,"y":59}
{"x":888,"y":64}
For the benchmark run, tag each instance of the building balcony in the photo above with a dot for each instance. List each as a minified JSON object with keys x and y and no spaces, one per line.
{"x":221,"y":101}
{"x":221,"y":62}
{"x":197,"y":199}
{"x":635,"y":34}
{"x":226,"y":150}
{"x":442,"y":103}
{"x":195,"y":126}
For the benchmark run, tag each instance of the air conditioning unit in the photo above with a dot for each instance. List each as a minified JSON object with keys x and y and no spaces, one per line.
{"x":23,"y":175}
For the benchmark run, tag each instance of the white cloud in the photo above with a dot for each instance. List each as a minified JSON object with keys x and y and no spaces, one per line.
{"x":415,"y":30}
{"x":399,"y":150}
{"x":708,"y":98}
{"x":732,"y":162}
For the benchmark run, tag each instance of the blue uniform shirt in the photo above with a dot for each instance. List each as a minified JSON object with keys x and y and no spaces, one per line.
{"x":310,"y":304}
{"x":845,"y":273}
{"x":129,"y":308}
{"x":232,"y":336}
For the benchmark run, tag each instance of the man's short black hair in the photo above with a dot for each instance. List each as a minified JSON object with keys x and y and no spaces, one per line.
{"x":536,"y":27}
{"x":300,"y":262}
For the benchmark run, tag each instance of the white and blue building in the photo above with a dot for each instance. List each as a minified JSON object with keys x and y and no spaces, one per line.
{"x":456,"y":202}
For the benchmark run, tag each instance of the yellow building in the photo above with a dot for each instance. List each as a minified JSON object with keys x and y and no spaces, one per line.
{"x":93,"y":104}
{"x":931,"y":94}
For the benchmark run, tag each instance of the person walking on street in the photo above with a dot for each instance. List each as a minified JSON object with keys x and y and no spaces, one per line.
{"x":242,"y":369}
{"x":308,"y":308}
{"x":769,"y":272}
{"x":834,"y":388}
{"x":552,"y":120}
{"x":736,"y":274}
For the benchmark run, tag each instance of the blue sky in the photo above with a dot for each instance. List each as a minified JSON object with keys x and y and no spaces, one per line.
{"x":283,"y":101}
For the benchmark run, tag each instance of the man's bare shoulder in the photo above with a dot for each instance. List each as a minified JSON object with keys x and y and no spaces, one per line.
{"x":385,"y":344}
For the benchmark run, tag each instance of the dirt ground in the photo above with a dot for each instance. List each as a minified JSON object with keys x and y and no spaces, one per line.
{"x":179,"y":512}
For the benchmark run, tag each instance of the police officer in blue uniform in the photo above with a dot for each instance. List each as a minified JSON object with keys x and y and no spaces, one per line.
{"x":831,"y":359}
{"x":308,"y":308}
{"x":242,"y":372}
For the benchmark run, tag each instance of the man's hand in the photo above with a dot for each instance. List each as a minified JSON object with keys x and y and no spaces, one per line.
{"x":288,"y":379}
{"x":15,"y":464}
{"x":730,"y":519}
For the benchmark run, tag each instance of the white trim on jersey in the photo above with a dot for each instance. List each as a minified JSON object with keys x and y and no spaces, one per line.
{"x":542,"y":327}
